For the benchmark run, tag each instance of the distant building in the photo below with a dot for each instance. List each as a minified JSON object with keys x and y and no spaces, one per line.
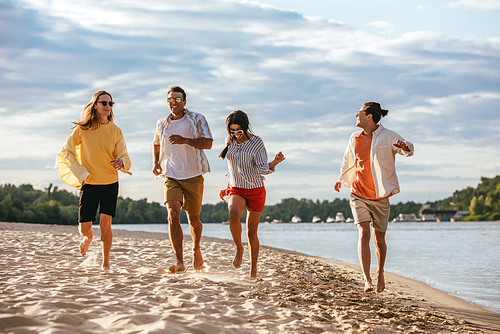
{"x":406,"y":217}
{"x":427,"y":214}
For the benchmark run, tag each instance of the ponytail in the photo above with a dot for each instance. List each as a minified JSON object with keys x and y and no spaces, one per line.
{"x":222,"y":154}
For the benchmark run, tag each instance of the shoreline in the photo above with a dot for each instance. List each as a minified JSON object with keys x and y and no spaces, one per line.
{"x":46,"y":284}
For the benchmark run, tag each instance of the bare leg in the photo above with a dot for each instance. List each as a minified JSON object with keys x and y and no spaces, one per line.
{"x":196,"y":227}
{"x":364,"y":253}
{"x":381,"y":246}
{"x":237,"y":205}
{"x":106,"y":239}
{"x":253,"y":219}
{"x":86,"y":231}
{"x":175,"y":235}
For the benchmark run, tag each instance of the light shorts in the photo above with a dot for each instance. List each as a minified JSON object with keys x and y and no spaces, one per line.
{"x":256,"y":197}
{"x":374,"y":211}
{"x":93,"y":196}
{"x":189,"y":192}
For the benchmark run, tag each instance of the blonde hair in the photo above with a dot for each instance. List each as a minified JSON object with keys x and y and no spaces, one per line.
{"x":90,"y":120}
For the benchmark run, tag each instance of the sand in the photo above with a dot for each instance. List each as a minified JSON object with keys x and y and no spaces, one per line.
{"x":47,"y":287}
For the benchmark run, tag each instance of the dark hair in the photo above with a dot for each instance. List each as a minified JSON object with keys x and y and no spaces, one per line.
{"x":374,"y":109}
{"x":177,"y":89}
{"x":236,"y":117}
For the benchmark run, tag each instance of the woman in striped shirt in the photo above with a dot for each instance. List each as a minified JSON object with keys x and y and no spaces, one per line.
{"x":247,"y":162}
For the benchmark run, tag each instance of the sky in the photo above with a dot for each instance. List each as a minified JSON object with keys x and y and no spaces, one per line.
{"x":299,"y":69}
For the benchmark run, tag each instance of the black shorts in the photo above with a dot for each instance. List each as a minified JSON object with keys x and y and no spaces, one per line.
{"x":93,"y":196}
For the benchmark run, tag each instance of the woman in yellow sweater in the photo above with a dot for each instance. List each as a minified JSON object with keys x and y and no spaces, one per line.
{"x":90,"y":160}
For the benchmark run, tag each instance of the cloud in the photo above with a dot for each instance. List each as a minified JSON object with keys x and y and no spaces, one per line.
{"x":382,"y":25}
{"x":478,"y":4}
{"x":300,"y":79}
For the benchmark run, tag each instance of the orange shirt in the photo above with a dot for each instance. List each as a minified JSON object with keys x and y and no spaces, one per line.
{"x":363,"y":185}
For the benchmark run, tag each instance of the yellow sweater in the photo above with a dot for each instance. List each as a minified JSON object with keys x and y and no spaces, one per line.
{"x":87,"y":154}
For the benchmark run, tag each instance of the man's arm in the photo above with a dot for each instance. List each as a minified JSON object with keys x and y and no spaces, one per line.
{"x":406,"y":148}
{"x":156,"y":160}
{"x":200,"y":143}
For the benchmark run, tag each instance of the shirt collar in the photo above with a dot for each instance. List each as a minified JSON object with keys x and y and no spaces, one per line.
{"x":169,"y":117}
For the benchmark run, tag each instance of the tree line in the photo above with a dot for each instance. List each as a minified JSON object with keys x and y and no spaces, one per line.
{"x":54,"y":206}
{"x":483,"y":202}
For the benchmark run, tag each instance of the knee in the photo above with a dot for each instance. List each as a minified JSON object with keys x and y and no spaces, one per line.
{"x":85,"y":229}
{"x":364,"y":236}
{"x":194,"y":222}
{"x":106,"y":234}
{"x":252,"y":234}
{"x":173,"y":215}
{"x":380,"y":243}
{"x":232,"y":212}
{"x":105,"y":225}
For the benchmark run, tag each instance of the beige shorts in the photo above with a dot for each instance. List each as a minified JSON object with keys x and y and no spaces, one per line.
{"x":374,"y":211}
{"x":189,"y":192}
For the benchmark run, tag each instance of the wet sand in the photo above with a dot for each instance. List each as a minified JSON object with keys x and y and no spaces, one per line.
{"x":47,"y":287}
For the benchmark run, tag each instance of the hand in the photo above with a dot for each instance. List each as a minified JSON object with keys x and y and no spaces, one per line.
{"x":337,"y":186}
{"x":402,"y":145}
{"x":157,"y":170}
{"x":277,"y":159}
{"x":117,"y":163}
{"x":222,"y":194}
{"x":177,"y":139}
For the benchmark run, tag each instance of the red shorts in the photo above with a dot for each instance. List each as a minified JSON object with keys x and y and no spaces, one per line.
{"x":256,"y":197}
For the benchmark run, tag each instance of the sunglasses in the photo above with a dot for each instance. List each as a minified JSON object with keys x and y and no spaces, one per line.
{"x":238,"y":132}
{"x":177,"y":99}
{"x":105,"y":103}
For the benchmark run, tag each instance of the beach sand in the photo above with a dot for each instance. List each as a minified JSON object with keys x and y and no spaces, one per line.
{"x":47,"y":287}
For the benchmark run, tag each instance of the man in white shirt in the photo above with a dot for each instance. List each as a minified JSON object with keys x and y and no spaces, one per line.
{"x":178,"y":146}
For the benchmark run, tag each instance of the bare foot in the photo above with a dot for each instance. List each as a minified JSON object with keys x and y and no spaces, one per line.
{"x":198,"y":260}
{"x":177,"y":269}
{"x":85,"y":244}
{"x":253,"y":274}
{"x":380,"y":283}
{"x":368,"y":287}
{"x":105,"y":268}
{"x":238,"y":258}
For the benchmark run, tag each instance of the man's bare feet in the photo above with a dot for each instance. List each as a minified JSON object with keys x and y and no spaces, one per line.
{"x":198,"y":260}
{"x":380,"y":283}
{"x":177,"y":269}
{"x":368,"y":287}
{"x":85,"y":244}
{"x":238,"y":258}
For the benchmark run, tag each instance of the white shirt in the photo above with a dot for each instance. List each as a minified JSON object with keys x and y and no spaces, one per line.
{"x":181,"y":161}
{"x":383,"y":161}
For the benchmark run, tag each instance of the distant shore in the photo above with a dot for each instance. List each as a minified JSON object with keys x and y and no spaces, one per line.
{"x":47,"y":286}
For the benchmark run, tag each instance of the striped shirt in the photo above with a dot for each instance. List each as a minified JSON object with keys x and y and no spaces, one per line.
{"x":247,"y":162}
{"x":182,"y":162}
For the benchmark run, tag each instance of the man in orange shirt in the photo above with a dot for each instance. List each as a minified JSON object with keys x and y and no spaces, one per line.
{"x":369,"y":169}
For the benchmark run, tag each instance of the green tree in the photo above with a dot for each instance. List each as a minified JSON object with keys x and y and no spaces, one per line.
{"x":477,"y":205}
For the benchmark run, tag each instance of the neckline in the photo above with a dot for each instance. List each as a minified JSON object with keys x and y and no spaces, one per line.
{"x":251,"y":136}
